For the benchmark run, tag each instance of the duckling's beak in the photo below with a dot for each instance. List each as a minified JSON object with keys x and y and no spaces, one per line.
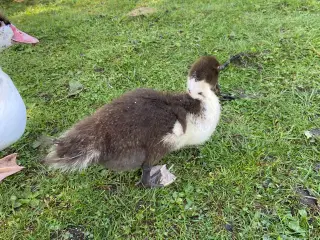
{"x":21,"y":37}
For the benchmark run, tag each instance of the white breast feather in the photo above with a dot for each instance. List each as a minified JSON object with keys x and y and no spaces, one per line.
{"x":199,"y":127}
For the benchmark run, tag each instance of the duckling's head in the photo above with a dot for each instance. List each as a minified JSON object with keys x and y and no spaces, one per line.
{"x":203,"y":78}
{"x":9,"y":34}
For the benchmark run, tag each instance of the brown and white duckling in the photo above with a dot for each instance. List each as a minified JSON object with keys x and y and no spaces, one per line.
{"x":139,"y":128}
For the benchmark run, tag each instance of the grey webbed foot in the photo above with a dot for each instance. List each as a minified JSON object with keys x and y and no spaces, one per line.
{"x":227,"y":97}
{"x":157,"y":176}
{"x":151,"y":178}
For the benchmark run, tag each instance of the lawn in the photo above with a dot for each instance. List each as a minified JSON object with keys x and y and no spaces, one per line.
{"x":257,"y":178}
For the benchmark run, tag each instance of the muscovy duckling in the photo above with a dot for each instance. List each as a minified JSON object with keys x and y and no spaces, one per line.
{"x":13,"y":115}
{"x":140,"y":127}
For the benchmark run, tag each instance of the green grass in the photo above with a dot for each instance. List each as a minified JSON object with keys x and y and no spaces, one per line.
{"x":245,"y":176}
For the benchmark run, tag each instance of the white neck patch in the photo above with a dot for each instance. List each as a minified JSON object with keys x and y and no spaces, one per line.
{"x":199,"y":89}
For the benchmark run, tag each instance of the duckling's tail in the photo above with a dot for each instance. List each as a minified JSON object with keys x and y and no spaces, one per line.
{"x":66,"y":161}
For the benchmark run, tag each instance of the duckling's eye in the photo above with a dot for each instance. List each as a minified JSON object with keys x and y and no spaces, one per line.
{"x":200,"y":93}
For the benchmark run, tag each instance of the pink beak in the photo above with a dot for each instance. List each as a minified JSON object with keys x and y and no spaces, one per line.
{"x":19,"y":36}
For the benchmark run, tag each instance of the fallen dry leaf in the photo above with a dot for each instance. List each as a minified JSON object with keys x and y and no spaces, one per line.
{"x":228,"y":227}
{"x":141,"y":11}
{"x":75,"y":87}
{"x":9,"y":166}
{"x":315,"y":132}
{"x":307,"y":199}
{"x":42,"y":141}
{"x":312,"y":134}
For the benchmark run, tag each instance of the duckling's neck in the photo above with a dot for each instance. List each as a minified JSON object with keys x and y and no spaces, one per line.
{"x":200,"y":90}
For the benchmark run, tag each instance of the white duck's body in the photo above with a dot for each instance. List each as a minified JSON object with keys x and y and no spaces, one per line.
{"x":13,"y":115}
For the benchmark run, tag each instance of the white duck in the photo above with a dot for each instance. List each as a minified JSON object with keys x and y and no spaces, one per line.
{"x":13,"y":116}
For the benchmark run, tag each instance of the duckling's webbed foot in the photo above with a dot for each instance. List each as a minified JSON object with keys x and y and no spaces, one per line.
{"x":151,"y":178}
{"x":227,"y":97}
{"x":157,"y":176}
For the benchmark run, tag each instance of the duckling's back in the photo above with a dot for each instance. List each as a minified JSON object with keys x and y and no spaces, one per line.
{"x":122,"y":135}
